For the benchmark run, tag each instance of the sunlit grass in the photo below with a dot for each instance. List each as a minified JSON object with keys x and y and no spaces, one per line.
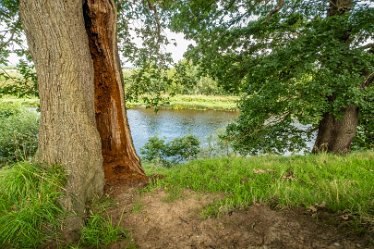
{"x":29,"y":209}
{"x":196,"y":102}
{"x":341,"y":184}
{"x":178,"y":102}
{"x":27,"y":102}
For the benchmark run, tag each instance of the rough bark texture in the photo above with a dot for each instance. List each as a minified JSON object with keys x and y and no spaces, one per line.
{"x":121,"y":163}
{"x":68,"y":136}
{"x":335,"y":134}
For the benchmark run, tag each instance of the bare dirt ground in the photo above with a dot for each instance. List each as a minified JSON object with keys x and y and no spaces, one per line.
{"x":159,"y":224}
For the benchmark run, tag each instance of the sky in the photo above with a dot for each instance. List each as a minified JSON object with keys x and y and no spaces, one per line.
{"x":176,"y":51}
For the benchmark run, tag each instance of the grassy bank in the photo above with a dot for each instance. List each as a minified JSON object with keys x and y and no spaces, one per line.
{"x":196,"y":102}
{"x":27,"y":102}
{"x":178,"y":102}
{"x":339,"y":184}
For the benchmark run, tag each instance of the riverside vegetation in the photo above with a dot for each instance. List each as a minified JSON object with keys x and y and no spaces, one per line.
{"x":290,"y":62}
{"x":340,"y":185}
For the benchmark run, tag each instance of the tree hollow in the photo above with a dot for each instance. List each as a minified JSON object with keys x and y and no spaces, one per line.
{"x":121,"y":163}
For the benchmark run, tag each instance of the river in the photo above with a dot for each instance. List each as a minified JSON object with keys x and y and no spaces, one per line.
{"x":170,"y":124}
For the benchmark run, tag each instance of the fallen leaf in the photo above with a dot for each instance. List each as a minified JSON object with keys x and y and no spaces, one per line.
{"x":313,"y":209}
{"x":259,"y":171}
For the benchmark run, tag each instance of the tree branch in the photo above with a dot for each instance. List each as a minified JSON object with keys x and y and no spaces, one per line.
{"x":369,"y":46}
{"x":368,"y":81}
{"x":277,"y":8}
{"x":153,"y":8}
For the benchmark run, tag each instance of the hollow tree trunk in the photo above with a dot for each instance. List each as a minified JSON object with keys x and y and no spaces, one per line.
{"x":336,"y":134}
{"x":83,"y":125}
{"x":121,"y":163}
{"x":68,"y":135}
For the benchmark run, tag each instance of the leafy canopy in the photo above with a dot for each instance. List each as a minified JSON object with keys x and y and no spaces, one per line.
{"x":292,"y":61}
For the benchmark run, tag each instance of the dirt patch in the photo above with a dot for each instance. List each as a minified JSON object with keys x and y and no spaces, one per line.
{"x":156,"y":223}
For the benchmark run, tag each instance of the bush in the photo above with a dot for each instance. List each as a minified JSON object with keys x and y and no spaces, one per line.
{"x":18,"y":133}
{"x":176,"y":151}
{"x":364,"y":139}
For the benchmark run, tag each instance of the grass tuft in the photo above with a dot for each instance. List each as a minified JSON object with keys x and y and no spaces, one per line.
{"x":28,"y":204}
{"x":100,"y":232}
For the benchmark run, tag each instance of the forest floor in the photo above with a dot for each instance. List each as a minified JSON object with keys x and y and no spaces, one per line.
{"x":154,"y":221}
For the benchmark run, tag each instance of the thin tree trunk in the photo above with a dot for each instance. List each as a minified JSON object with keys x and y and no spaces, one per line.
{"x":121,"y":163}
{"x":68,"y":135}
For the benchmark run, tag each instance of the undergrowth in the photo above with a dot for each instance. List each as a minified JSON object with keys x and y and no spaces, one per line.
{"x":99,"y":230}
{"x":18,"y":133}
{"x":29,"y":209}
{"x":340,"y":184}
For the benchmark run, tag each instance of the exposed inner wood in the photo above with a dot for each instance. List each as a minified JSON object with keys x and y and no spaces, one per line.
{"x":121,"y":163}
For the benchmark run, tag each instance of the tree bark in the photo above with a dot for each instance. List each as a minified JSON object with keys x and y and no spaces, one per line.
{"x":335,"y":134}
{"x":121,"y":163}
{"x":83,"y":123}
{"x":68,"y":135}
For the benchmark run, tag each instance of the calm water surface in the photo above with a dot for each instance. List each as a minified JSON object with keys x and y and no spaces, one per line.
{"x":170,"y":124}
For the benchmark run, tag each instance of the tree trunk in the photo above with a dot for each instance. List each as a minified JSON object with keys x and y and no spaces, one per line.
{"x":73,"y":44}
{"x":68,"y":135}
{"x":121,"y":163}
{"x":336,"y":134}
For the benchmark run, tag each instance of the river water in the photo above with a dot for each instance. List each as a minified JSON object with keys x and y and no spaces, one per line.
{"x":170,"y":124}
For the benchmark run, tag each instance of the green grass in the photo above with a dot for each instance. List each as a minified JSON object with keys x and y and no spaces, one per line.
{"x":100,"y":231}
{"x":196,"y":102}
{"x":27,"y":102}
{"x":343,"y":184}
{"x":178,"y":102}
{"x":29,"y":209}
{"x":30,"y":214}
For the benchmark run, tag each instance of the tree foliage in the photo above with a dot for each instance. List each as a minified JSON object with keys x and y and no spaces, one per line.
{"x":292,"y":61}
{"x":168,"y":153}
{"x":12,"y":42}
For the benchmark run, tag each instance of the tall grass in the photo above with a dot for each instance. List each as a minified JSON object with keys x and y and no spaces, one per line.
{"x":29,"y":209}
{"x":338,"y":183}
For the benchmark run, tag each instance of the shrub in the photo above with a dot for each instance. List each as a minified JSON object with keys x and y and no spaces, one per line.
{"x":176,"y":151}
{"x":18,"y":133}
{"x":184,"y":148}
{"x":153,"y":150}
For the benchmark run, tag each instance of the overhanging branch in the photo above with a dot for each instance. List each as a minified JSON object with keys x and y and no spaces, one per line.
{"x":368,"y":81}
{"x":277,"y":8}
{"x":369,"y":46}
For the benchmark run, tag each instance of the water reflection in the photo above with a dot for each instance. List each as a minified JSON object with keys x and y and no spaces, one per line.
{"x":170,"y":124}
